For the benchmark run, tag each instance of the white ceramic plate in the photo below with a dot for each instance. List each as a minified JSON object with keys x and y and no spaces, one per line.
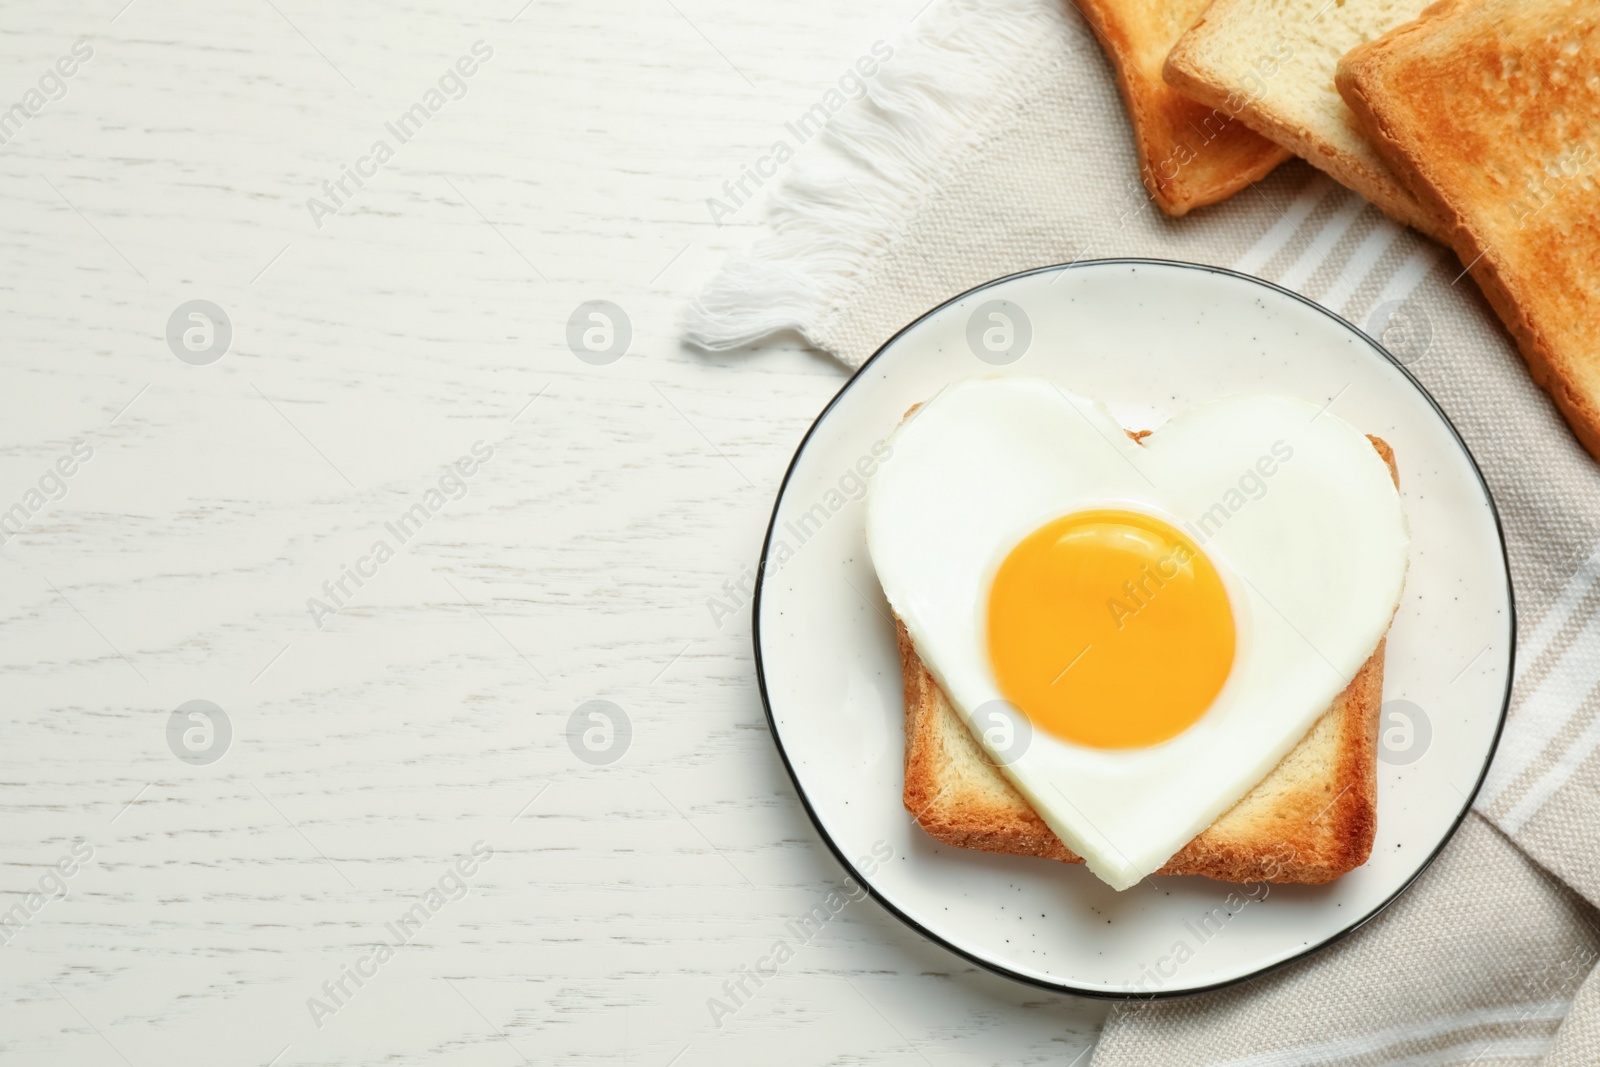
{"x":1150,"y":338}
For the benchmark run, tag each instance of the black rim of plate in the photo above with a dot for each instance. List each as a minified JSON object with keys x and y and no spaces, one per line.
{"x":990,"y":965}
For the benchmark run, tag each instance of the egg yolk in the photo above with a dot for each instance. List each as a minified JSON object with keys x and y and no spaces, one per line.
{"x":1110,"y":629}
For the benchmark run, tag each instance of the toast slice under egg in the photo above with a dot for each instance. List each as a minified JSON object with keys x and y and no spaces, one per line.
{"x":1309,"y":821}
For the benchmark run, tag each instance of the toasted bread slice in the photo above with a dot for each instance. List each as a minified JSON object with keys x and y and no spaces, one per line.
{"x":1489,"y":111}
{"x":1189,"y":155}
{"x":1271,"y":63}
{"x":1309,"y":821}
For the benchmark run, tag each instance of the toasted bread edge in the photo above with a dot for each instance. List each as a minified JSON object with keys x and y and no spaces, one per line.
{"x":1360,"y":81}
{"x":1187,"y":71}
{"x":1246,"y":157}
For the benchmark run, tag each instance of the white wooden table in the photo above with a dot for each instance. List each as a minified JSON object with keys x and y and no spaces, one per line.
{"x":216,"y":909}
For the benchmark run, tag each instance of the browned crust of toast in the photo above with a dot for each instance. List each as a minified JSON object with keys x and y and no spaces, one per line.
{"x":1309,"y":834}
{"x":1397,"y":86}
{"x":1190,"y":155}
{"x":1184,"y":72}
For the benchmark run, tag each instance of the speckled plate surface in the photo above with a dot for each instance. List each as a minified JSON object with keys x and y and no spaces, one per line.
{"x":1149,"y":338}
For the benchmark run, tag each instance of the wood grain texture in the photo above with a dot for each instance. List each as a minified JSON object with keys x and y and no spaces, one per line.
{"x":430,"y":712}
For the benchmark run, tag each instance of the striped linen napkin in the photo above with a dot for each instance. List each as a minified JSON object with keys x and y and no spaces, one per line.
{"x":994,"y":141}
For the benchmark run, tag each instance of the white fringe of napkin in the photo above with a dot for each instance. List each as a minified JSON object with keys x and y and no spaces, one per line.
{"x":842,"y":207}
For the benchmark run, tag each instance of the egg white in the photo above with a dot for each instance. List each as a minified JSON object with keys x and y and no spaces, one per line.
{"x":1313,"y":566}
